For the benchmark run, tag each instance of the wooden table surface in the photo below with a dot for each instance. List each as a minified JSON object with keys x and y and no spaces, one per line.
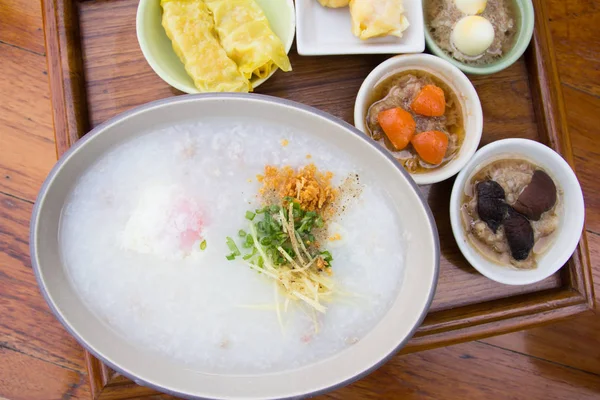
{"x":39,"y":360}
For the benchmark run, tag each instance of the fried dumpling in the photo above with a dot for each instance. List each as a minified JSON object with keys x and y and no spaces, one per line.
{"x":373,"y":18}
{"x":334,"y":3}
{"x":190,"y":27}
{"x":245,"y":34}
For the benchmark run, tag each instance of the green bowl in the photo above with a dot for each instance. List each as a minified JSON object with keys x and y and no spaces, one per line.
{"x":158,"y":51}
{"x":525,"y":21}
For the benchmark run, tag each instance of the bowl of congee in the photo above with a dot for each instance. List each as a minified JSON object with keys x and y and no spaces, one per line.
{"x":424,"y":112}
{"x":478,"y":36}
{"x":234,"y":246}
{"x":517,"y":211}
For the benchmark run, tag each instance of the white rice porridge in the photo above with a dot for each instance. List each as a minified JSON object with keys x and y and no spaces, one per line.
{"x":130,"y":242}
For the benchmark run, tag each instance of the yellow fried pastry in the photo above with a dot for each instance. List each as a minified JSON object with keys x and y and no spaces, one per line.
{"x":190,"y":26}
{"x":247,"y":38}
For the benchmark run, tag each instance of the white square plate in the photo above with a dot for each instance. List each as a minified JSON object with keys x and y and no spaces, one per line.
{"x":323,"y":31}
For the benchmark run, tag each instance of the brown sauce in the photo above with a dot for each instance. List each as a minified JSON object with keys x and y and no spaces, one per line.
{"x":442,"y":15}
{"x":399,"y":90}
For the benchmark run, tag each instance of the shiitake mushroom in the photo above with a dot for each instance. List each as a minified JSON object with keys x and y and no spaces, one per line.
{"x":537,"y":197}
{"x":519,"y":234}
{"x":494,"y":211}
{"x":490,"y":204}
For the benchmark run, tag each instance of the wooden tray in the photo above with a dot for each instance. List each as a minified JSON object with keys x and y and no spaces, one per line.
{"x":97,"y":70}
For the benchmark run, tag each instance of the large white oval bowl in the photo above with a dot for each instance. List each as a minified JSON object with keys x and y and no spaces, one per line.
{"x":405,"y":314}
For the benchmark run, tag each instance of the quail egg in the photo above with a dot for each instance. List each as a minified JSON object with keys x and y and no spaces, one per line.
{"x":471,"y":7}
{"x":472,"y":35}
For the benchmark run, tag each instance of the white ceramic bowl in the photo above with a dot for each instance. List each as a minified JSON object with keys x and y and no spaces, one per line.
{"x":456,"y":80}
{"x":571,"y":222}
{"x":158,"y":51}
{"x":406,"y":311}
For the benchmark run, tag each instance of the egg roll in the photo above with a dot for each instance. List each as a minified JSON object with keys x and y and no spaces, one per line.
{"x":334,"y":3}
{"x":373,"y":18}
{"x":190,"y":26}
{"x":247,"y":38}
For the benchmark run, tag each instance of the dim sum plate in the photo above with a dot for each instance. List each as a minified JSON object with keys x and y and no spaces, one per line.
{"x":158,"y":50}
{"x":408,"y":306}
{"x":328,"y":31}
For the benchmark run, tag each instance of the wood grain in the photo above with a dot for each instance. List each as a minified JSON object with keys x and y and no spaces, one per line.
{"x":29,"y":373}
{"x":574,"y":350}
{"x":457,"y":372}
{"x":594,"y":246}
{"x":27,"y":325}
{"x":21,"y":24}
{"x":107,"y":384}
{"x":522,"y":101}
{"x":61,"y":28}
{"x":551,"y":117}
{"x":575,"y":26}
{"x":26,"y":123}
{"x":572,"y":343}
{"x":23,"y":377}
{"x":582,"y":113}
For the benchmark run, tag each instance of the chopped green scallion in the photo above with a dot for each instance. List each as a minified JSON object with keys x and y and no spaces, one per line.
{"x":232,"y":246}
{"x":250,"y":255}
{"x":326,"y":256}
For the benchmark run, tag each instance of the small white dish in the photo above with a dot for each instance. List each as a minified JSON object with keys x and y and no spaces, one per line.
{"x":571,"y":220}
{"x":328,"y":31}
{"x":456,"y":80}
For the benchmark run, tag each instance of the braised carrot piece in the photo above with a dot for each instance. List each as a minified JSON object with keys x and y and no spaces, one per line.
{"x":430,"y":102}
{"x":398,"y":125}
{"x":431,"y":146}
